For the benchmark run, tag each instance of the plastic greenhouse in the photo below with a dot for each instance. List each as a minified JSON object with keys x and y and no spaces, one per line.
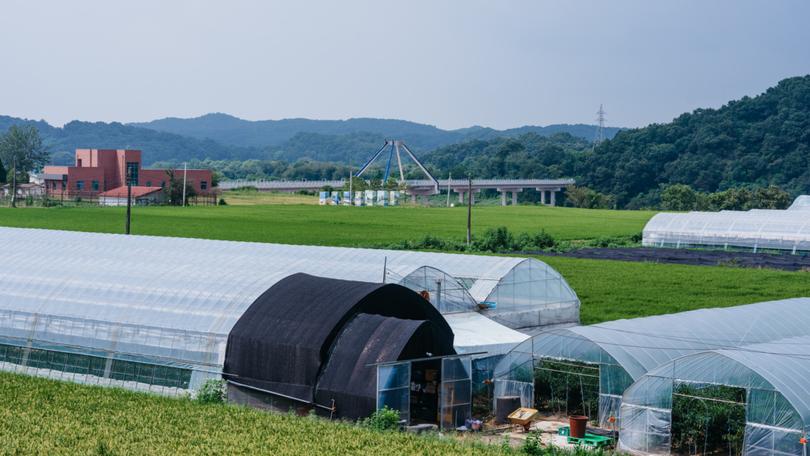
{"x":802,"y":203}
{"x":755,"y":229}
{"x":773,"y":404}
{"x":599,"y":362}
{"x":94,"y":304}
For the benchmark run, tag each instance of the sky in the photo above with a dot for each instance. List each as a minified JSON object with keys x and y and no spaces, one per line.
{"x":447,"y":63}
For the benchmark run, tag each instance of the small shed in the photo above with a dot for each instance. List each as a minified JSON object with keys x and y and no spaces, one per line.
{"x":141,"y":195}
{"x":317,"y":342}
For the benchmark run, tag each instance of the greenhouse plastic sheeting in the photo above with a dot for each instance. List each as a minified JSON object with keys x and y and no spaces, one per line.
{"x":445,"y":292}
{"x":802,"y":203}
{"x":169,"y":303}
{"x":624,"y":350}
{"x":755,"y":229}
{"x":776,"y":379}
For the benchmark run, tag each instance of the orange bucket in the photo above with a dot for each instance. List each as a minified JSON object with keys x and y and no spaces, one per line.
{"x":578,"y":423}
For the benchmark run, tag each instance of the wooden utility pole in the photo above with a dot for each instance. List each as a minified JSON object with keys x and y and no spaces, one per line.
{"x":185,"y":171}
{"x":449,"y":179}
{"x":469,"y":210}
{"x":129,"y":197}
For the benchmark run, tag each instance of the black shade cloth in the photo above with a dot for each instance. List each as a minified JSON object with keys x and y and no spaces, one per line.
{"x":347,"y":378}
{"x":281,"y":342}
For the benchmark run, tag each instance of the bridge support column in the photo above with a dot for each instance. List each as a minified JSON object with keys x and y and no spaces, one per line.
{"x":461,"y":197}
{"x":413,"y":198}
{"x":542,"y":197}
{"x":503,"y":198}
{"x":553,"y":198}
{"x":514,"y":198}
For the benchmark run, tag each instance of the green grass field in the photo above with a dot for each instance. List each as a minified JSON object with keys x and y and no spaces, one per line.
{"x":610,"y":290}
{"x":327,"y":225}
{"x":39,"y":416}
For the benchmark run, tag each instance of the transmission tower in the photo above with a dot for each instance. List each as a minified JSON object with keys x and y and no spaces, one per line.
{"x":600,"y":129}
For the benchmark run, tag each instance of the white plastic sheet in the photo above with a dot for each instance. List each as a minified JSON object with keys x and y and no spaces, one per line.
{"x":173,"y":301}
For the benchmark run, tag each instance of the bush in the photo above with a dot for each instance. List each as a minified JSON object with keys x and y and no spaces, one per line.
{"x":222,"y":202}
{"x":585,"y":198}
{"x":212,"y":392}
{"x":495,"y":240}
{"x":532,"y":445}
{"x":385,"y":419}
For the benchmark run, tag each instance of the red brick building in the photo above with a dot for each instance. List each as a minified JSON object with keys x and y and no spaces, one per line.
{"x":103,"y":170}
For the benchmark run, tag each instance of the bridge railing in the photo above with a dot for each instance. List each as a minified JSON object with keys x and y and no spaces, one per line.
{"x":317,"y":184}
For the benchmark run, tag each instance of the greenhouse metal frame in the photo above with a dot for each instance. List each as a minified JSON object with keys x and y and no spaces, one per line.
{"x":624,"y":350}
{"x":755,"y":229}
{"x":96,"y":302}
{"x":776,"y":379}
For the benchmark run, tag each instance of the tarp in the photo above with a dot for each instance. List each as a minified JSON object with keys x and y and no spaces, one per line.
{"x":348,"y":377}
{"x":281,"y":342}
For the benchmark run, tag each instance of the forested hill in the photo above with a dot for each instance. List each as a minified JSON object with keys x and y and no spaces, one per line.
{"x":752,"y":141}
{"x":62,"y":142}
{"x":222,"y":137}
{"x":227,"y":129}
{"x":759,"y":141}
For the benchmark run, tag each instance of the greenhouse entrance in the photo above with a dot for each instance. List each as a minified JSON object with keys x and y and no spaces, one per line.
{"x":567,"y":387}
{"x":425,"y":378}
{"x":708,"y":419}
{"x":436,"y":390}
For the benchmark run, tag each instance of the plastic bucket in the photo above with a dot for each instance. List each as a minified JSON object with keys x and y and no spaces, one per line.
{"x":578,"y":423}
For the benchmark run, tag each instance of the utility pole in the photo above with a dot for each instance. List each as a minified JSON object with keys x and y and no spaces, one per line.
{"x":185,"y":170}
{"x":351,"y":193}
{"x":14,"y":181}
{"x":449,"y":179}
{"x":469,"y":210}
{"x":129,"y":197}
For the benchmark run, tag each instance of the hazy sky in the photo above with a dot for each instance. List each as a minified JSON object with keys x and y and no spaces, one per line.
{"x":449,"y":63}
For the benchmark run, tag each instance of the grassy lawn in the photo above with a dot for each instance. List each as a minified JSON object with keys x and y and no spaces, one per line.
{"x":39,"y":416}
{"x":331,"y":225}
{"x":610,"y":290}
{"x":252,"y":198}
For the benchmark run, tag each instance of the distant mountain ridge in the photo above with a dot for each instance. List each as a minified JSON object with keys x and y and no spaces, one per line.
{"x":231,"y":130}
{"x":157,"y":146}
{"x":224,"y":137}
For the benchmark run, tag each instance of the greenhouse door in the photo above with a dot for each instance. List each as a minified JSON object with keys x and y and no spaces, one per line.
{"x":456,"y":392}
{"x":394,"y":388}
{"x":425,"y":378}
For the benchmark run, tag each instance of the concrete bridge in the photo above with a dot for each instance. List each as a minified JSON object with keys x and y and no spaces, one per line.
{"x":424,"y":188}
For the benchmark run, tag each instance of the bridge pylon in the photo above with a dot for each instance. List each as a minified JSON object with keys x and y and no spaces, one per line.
{"x":394,"y":147}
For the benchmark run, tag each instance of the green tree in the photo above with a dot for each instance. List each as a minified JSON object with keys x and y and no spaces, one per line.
{"x":2,"y":173}
{"x":358,"y":184}
{"x":22,"y":149}
{"x":586,"y":198}
{"x":679,"y":197}
{"x":174,"y":191}
{"x":771,"y":197}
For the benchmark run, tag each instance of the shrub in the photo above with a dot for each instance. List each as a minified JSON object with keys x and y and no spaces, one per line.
{"x":496,"y":240}
{"x":532,"y":445}
{"x":212,"y":392}
{"x":543,"y":240}
{"x":385,"y":419}
{"x":222,"y":202}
